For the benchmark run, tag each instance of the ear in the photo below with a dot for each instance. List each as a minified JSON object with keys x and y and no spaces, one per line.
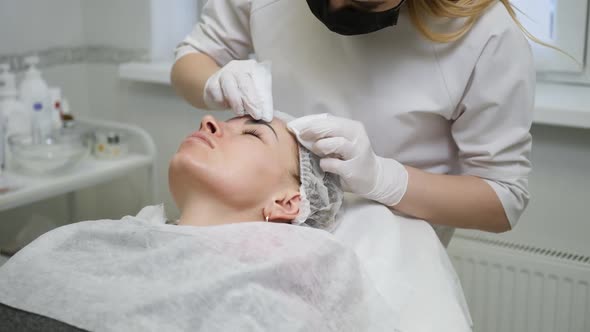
{"x":284,"y":208}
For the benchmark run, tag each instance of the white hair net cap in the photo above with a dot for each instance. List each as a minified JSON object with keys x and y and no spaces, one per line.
{"x":321,"y":193}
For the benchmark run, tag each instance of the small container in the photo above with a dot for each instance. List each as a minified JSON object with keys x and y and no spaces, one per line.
{"x":55,"y":155}
{"x":111,"y":145}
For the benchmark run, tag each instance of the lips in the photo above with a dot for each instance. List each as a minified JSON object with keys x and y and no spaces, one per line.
{"x":203,"y":137}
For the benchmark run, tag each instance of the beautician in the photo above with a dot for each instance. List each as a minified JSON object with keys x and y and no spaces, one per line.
{"x":430,"y":101}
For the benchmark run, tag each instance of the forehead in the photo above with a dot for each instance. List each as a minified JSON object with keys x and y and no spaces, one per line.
{"x":286,"y":145}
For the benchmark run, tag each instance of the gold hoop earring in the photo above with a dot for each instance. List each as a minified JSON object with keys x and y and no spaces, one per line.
{"x":267,"y":218}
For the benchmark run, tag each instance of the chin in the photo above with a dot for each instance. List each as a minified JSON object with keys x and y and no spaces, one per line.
{"x":188,"y":161}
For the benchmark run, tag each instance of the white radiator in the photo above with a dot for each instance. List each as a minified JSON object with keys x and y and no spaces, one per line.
{"x":517,"y":288}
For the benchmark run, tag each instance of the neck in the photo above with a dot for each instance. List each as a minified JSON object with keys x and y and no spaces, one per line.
{"x":204,"y":210}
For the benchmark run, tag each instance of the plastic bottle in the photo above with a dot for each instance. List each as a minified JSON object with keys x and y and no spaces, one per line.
{"x":2,"y":142}
{"x":14,"y":110}
{"x":67,"y":118}
{"x":5,"y":81}
{"x":34,"y":93}
{"x":13,"y":117}
{"x":56,"y":108}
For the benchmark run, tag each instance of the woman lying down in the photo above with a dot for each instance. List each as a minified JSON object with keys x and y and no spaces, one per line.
{"x":249,"y":252}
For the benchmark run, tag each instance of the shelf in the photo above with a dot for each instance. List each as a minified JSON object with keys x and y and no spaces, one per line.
{"x":555,"y":104}
{"x":89,"y":172}
{"x":146,"y":72}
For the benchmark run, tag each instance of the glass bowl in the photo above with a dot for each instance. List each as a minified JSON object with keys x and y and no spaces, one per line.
{"x":55,"y":155}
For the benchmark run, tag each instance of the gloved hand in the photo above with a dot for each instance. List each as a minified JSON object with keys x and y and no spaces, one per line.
{"x":243,"y":85}
{"x":345,"y":150}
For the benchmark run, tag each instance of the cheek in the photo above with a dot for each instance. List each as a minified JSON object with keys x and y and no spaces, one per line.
{"x":189,"y":164}
{"x":242,"y":175}
{"x":250,"y":174}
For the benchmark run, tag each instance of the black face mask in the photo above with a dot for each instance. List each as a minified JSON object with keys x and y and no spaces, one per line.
{"x":349,"y":21}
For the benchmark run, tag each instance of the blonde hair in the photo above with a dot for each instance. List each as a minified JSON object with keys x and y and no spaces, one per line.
{"x":471,"y":10}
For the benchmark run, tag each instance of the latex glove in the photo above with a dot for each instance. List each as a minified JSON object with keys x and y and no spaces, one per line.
{"x":345,"y":149}
{"x":243,"y":85}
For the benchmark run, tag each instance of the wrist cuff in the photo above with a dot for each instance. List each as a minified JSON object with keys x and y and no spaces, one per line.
{"x":392,"y":182}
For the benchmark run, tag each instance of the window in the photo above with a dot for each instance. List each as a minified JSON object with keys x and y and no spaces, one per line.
{"x":171,"y":22}
{"x":562,"y":23}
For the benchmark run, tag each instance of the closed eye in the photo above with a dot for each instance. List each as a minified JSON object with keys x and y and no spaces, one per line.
{"x":252,"y":132}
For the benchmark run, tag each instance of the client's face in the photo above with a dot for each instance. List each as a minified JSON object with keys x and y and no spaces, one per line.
{"x":243,"y":163}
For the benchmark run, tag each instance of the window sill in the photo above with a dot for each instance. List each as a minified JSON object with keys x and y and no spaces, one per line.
{"x":563,"y":105}
{"x":156,"y":72}
{"x":555,"y":104}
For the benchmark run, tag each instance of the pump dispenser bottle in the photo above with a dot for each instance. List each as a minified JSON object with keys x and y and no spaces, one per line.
{"x":35,"y":95}
{"x":18,"y":121}
{"x":13,"y":116}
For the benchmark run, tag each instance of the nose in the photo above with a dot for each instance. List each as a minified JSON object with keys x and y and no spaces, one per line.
{"x":211,"y":125}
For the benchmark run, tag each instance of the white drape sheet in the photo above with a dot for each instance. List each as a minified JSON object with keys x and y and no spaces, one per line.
{"x":377,"y":272}
{"x":137,"y":275}
{"x":408,"y":265}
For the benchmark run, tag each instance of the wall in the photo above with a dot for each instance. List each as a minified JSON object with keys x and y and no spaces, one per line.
{"x":73,"y":38}
{"x":123,"y":24}
{"x":123,"y":28}
{"x":29,"y":25}
{"x":152,"y":107}
{"x":32,"y":26}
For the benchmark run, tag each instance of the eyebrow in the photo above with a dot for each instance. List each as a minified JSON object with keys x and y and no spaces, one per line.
{"x":260,"y":122}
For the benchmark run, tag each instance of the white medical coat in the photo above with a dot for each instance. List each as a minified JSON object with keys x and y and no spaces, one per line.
{"x":458,"y":108}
